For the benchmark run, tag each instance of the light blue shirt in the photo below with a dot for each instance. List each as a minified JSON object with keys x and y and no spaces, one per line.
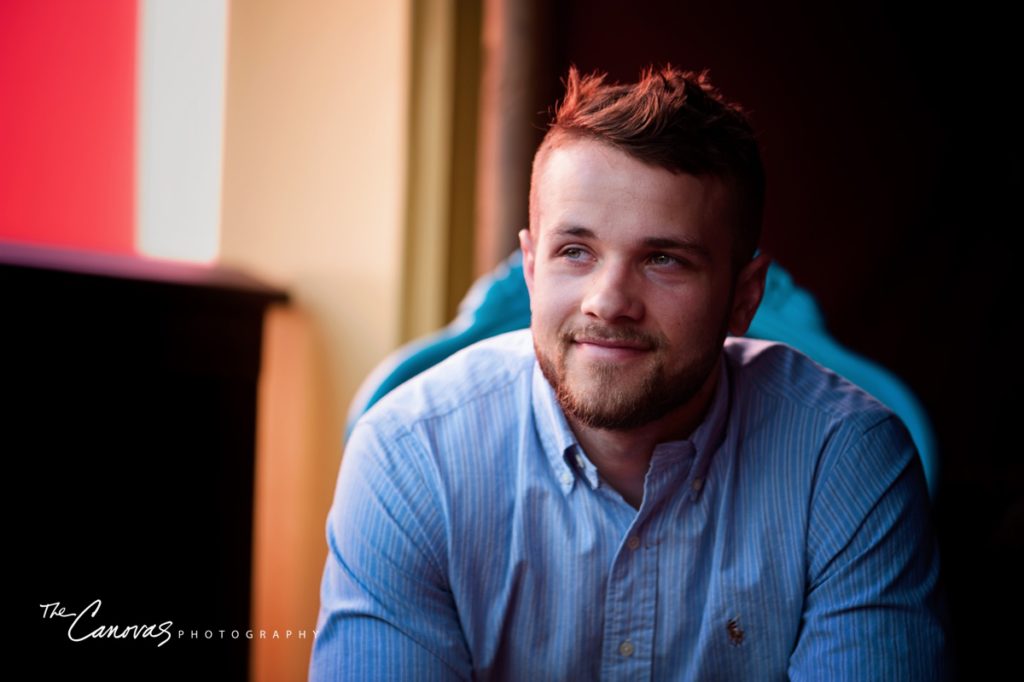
{"x":471,"y":537}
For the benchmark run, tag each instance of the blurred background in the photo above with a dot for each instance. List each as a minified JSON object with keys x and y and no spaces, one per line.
{"x":217,"y":216}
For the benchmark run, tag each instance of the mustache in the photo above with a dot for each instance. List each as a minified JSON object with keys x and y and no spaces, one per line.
{"x":630,"y":335}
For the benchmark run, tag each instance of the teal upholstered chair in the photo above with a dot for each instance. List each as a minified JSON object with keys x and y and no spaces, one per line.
{"x":499,"y":302}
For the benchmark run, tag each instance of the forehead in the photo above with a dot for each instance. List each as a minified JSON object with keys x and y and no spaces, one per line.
{"x":593,"y":185}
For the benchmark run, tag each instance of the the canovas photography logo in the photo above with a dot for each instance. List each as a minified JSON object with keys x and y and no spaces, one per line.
{"x":85,"y":624}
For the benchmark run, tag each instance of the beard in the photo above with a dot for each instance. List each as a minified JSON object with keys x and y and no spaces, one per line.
{"x":623,"y":396}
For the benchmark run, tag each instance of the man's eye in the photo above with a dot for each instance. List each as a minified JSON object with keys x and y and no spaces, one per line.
{"x":573,"y":253}
{"x":664,"y":259}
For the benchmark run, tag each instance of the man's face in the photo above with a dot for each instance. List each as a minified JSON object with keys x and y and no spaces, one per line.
{"x":630,"y":283}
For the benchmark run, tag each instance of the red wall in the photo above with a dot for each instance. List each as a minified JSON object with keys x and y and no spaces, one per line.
{"x":67,"y":123}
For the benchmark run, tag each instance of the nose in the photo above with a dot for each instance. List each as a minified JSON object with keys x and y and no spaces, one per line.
{"x":613,"y":295}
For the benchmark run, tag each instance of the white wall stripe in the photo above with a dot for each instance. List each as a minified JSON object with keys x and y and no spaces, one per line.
{"x":181,"y":64}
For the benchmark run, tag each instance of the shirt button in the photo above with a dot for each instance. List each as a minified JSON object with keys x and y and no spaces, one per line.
{"x":626,"y":648}
{"x":566,"y":478}
{"x":633,"y":543}
{"x":697,"y":484}
{"x":579,"y":462}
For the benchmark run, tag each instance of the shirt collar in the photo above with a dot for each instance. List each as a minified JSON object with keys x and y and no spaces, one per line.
{"x":707,"y":437}
{"x":564,"y":453}
{"x":560,"y":445}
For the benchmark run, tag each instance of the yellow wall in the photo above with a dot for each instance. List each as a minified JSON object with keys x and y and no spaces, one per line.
{"x":314,"y":188}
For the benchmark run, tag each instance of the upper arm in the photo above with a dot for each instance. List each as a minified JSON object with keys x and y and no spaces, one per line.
{"x":386,"y":610}
{"x":872,"y":609}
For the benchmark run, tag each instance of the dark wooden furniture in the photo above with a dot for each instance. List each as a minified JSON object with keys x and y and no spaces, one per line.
{"x":129,"y":420}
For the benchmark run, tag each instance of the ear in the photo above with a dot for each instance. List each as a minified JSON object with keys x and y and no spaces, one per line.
{"x":750,"y":284}
{"x":529,"y":257}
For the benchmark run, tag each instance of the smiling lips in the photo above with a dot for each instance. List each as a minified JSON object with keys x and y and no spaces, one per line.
{"x":612,"y":348}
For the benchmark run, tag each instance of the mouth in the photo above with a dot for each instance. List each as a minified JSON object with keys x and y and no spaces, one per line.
{"x":612,"y":349}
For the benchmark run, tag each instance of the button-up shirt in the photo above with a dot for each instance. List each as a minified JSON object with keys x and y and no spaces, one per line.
{"x":471,"y":536}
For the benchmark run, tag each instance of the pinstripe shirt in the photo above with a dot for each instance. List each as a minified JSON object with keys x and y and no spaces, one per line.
{"x":471,"y":537}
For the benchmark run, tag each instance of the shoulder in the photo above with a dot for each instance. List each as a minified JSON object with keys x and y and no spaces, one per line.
{"x":493,"y":371}
{"x":776,"y":374}
{"x":807,"y":415}
{"x":836,"y":438}
{"x":434,"y":438}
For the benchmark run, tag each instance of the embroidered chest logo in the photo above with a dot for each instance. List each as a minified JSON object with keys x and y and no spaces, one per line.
{"x":736,"y":633}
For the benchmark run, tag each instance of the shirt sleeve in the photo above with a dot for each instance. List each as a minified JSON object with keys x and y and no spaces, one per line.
{"x":386,"y":611}
{"x":873,"y":609}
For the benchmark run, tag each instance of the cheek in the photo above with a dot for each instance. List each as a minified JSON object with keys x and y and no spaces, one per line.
{"x":553,"y":301}
{"x":547,"y":321}
{"x":691,"y":318}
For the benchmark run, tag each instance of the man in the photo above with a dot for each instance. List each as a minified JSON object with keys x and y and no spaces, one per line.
{"x":623,"y":492}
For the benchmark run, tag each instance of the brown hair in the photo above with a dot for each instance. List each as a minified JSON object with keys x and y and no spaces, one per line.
{"x":674,"y":120}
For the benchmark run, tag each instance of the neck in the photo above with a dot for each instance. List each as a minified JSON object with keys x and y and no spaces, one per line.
{"x":623,"y":457}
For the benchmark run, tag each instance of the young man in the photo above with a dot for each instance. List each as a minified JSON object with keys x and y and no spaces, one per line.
{"x":623,"y":492}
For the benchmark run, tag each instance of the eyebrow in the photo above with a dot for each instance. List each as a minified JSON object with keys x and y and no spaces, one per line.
{"x":698,"y":248}
{"x":689,"y":245}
